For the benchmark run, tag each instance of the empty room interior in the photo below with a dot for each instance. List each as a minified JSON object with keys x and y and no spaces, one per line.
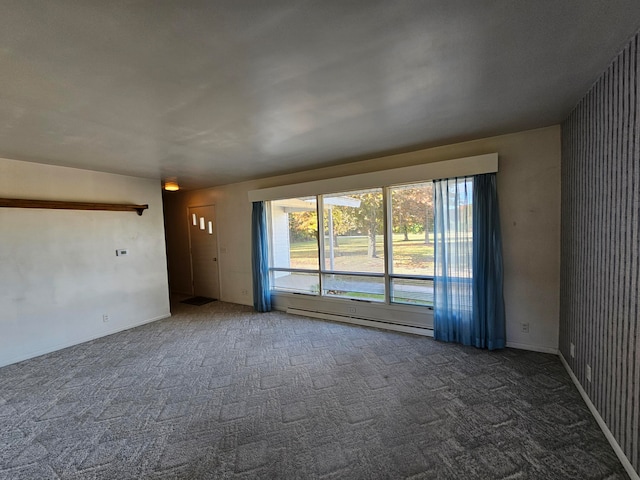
{"x":320,"y":239}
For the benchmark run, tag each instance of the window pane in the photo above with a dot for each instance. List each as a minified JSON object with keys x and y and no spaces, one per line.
{"x":412,"y":227}
{"x":412,"y":291}
{"x":295,"y":282}
{"x":353,"y":231}
{"x":457,"y":223}
{"x":294,"y":233}
{"x":351,"y":286}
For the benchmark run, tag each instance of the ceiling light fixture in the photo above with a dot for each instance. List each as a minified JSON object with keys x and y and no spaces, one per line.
{"x":171,"y":186}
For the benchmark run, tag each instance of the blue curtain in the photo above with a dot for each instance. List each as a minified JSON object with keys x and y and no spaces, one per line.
{"x":468,"y":301}
{"x":488,"y":300}
{"x":453,"y":252}
{"x":260,"y":258}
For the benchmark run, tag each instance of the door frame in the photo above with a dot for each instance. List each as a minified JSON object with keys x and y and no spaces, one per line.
{"x":215,"y":233}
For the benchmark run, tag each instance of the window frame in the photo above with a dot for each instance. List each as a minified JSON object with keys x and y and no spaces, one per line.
{"x":387,"y":275}
{"x":285,"y":269}
{"x":389,"y":248}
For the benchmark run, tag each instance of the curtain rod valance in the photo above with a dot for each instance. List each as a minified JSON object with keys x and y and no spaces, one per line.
{"x":460,"y":167}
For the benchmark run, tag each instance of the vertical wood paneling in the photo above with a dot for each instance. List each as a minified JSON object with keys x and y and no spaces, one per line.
{"x":634,"y":394}
{"x":600,"y":246}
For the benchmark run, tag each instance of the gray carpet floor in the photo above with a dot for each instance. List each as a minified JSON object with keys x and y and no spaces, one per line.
{"x":221,"y":392}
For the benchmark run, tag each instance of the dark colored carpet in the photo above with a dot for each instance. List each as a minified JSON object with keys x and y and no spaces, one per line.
{"x":198,"y":301}
{"x":222,"y":392}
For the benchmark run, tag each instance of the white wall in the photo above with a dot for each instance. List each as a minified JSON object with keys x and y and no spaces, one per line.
{"x":529,"y":195}
{"x":58,"y":269}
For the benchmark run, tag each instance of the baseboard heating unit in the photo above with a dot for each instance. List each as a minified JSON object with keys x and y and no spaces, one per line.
{"x":427,"y":332}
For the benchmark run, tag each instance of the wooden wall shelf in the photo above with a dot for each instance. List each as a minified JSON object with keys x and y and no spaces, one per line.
{"x":54,"y":204}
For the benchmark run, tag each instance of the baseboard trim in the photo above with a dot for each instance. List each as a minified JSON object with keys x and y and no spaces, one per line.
{"x":77,"y":341}
{"x":361,"y":321}
{"x":601,"y":423}
{"x":532,"y":348}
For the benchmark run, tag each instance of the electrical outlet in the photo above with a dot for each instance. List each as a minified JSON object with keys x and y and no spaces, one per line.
{"x":572,"y":350}
{"x":588,"y":372}
{"x":524,"y":327}
{"x":245,"y":292}
{"x":105,"y":318}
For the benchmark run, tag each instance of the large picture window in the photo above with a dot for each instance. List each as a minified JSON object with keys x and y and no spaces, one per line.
{"x":381,"y":245}
{"x":375,"y":245}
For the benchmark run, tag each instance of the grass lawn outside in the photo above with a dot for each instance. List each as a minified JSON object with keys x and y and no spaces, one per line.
{"x":411,"y":257}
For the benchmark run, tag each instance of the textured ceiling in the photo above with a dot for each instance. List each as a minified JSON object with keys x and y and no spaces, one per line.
{"x":214,"y":92}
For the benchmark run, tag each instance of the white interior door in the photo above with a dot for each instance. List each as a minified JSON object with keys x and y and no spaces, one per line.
{"x":203,"y":238}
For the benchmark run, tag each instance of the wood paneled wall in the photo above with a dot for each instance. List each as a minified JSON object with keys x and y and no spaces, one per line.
{"x":600,"y":242}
